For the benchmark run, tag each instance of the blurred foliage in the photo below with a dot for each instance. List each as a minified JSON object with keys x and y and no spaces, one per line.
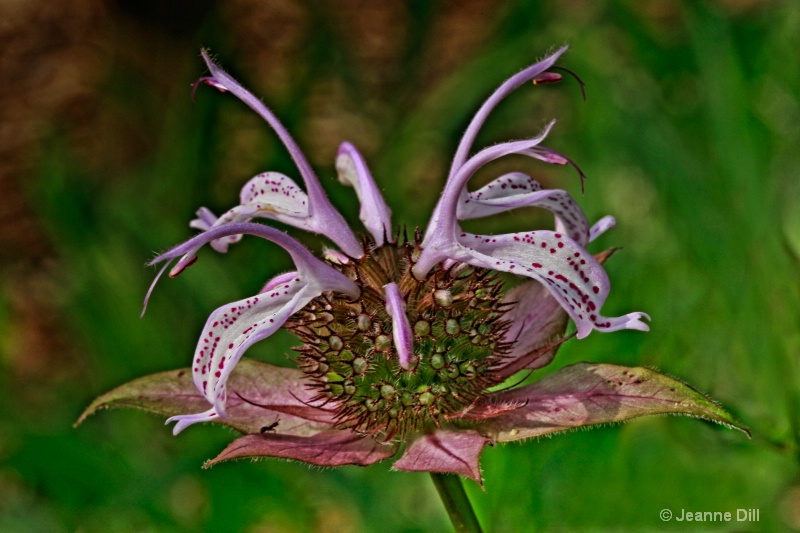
{"x":689,"y":137}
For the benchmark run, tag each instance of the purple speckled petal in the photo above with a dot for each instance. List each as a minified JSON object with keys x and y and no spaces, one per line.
{"x":268,"y":195}
{"x":601,"y":226}
{"x":326,"y":448}
{"x":280,"y":279}
{"x":310,"y":268}
{"x":445,"y":451}
{"x":229,"y":331}
{"x":375,"y":214}
{"x":574,"y":278}
{"x":325,"y":219}
{"x":401,"y":329}
{"x":571,"y":275}
{"x":441,"y":234}
{"x":274,"y":195}
{"x":313,"y":271}
{"x":516,"y":189}
{"x":512,"y":83}
{"x":232,"y":328}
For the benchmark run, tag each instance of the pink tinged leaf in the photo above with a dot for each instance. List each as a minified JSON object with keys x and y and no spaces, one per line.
{"x":445,"y":451}
{"x":588,"y":394}
{"x":481,"y":410}
{"x":375,"y":214}
{"x":262,"y":394}
{"x":536,"y":320}
{"x":270,"y":394}
{"x":571,"y":275}
{"x":325,"y":219}
{"x":519,"y":190}
{"x":537,"y":357}
{"x":401,"y":329}
{"x":327,"y":448}
{"x":601,"y":226}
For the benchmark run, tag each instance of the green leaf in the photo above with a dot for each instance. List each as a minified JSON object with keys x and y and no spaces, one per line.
{"x":590,"y":394}
{"x":260,"y":395}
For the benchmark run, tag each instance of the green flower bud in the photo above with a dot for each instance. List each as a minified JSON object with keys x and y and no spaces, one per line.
{"x":335,"y":343}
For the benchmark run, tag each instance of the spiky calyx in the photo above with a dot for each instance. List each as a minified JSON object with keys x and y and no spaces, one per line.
{"x":456,"y":316}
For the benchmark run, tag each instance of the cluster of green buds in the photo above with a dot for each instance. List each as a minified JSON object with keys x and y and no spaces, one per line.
{"x":455,"y":316}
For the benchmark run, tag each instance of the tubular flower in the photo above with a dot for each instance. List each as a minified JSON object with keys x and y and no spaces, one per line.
{"x":406,"y":339}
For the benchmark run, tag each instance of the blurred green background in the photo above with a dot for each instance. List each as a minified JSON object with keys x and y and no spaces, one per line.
{"x":689,"y":137}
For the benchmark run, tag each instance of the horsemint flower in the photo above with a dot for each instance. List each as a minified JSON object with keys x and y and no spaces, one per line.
{"x":405,"y":340}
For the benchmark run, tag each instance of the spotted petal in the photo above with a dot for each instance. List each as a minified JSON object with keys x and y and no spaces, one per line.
{"x":269,"y":195}
{"x":232,"y":328}
{"x":273,"y":195}
{"x":375,"y":214}
{"x":280,"y":279}
{"x":571,"y":275}
{"x":516,"y":189}
{"x":324,"y":219}
{"x":601,"y":226}
{"x":443,"y":226}
{"x":229,"y":331}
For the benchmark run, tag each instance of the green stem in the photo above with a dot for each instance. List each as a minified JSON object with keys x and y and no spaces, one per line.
{"x":455,"y":500}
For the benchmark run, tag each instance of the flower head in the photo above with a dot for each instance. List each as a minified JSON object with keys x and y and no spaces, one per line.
{"x":406,"y":338}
